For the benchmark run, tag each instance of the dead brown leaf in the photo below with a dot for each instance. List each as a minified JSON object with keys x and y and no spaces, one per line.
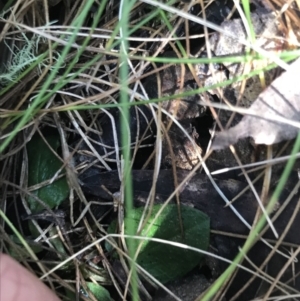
{"x":280,"y":100}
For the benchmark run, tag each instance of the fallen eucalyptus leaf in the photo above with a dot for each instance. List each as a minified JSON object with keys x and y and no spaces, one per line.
{"x":280,"y":99}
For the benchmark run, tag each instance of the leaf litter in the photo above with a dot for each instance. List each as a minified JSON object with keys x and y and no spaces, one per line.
{"x":280,"y":99}
{"x":199,"y":193}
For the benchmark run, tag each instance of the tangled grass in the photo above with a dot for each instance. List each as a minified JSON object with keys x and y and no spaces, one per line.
{"x":63,"y":77}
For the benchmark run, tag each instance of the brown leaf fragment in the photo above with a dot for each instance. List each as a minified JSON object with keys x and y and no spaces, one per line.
{"x":280,"y":99}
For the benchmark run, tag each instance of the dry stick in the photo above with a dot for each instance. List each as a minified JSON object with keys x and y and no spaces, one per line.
{"x":10,"y":94}
{"x":224,"y":285}
{"x":244,"y":190}
{"x":73,"y":9}
{"x":73,"y":121}
{"x":285,"y":5}
{"x":260,"y":203}
{"x":110,"y":270}
{"x":278,"y":243}
{"x":46,"y":10}
{"x":10,"y":19}
{"x":138,"y":111}
{"x":283,"y":287}
{"x":158,"y":150}
{"x":295,"y":276}
{"x":65,"y":156}
{"x":255,"y":193}
{"x":241,"y":236}
{"x":78,"y":284}
{"x":282,"y":207}
{"x":293,"y":269}
{"x":34,"y":85}
{"x":14,"y":163}
{"x":292,"y":257}
{"x":187,"y":30}
{"x":88,"y":129}
{"x":255,"y":113}
{"x":175,"y":178}
{"x":260,"y":164}
{"x":5,"y":174}
{"x":115,"y":138}
{"x":42,"y":268}
{"x":9,"y":167}
{"x":259,"y":176}
{"x":158,"y":52}
{"x":156,"y":32}
{"x":285,"y":204}
{"x":73,"y":183}
{"x":144,"y":136}
{"x":72,"y":177}
{"x":258,"y":215}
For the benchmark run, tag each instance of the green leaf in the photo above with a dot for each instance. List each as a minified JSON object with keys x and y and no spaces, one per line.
{"x":22,"y":252}
{"x":58,"y":244}
{"x":163,"y":261}
{"x":99,"y":291}
{"x":42,"y":166}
